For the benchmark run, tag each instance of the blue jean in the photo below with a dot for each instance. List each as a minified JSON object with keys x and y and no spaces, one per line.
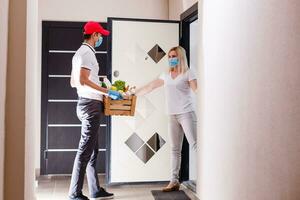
{"x":88,"y":112}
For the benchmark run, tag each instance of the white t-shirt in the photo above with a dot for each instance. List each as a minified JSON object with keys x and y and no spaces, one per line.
{"x":85,"y":58}
{"x":178,"y":92}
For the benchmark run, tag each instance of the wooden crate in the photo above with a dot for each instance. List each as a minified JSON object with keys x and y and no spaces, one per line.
{"x":125,"y":107}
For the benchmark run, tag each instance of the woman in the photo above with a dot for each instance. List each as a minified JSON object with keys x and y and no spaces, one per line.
{"x":178,"y":83}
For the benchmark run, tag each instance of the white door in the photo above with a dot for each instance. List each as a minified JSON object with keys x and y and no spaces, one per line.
{"x":140,"y":149}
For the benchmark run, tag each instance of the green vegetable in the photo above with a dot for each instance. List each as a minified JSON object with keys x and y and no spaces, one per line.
{"x":120,"y":85}
{"x":103,"y":85}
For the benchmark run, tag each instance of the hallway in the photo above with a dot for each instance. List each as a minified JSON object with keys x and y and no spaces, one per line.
{"x":246,"y":58}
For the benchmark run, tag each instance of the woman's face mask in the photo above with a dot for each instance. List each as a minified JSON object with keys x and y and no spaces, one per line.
{"x":99,"y":42}
{"x":173,"y":62}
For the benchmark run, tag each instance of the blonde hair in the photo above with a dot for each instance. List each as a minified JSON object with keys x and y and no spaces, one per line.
{"x":182,"y":66}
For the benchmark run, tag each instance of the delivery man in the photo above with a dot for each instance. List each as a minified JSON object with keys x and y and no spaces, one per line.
{"x":85,"y":78}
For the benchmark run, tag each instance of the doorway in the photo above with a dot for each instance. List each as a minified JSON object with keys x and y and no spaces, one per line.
{"x":189,"y":41}
{"x":137,"y":55}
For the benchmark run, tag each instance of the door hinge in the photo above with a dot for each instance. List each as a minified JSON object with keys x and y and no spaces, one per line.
{"x":45,"y":154}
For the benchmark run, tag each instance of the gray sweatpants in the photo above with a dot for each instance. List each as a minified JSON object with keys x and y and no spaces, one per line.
{"x":88,"y":112}
{"x":179,"y":125}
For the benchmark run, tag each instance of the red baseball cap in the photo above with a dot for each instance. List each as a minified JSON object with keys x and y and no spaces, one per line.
{"x":92,"y":27}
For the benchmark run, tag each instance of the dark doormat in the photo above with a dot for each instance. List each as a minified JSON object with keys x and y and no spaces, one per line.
{"x":177,"y":195}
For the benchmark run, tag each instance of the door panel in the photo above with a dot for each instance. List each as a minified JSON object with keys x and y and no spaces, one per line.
{"x":61,"y":63}
{"x":68,"y":36}
{"x":62,"y":113}
{"x":59,"y":88}
{"x":140,"y":149}
{"x":68,"y":137}
{"x":65,"y":161}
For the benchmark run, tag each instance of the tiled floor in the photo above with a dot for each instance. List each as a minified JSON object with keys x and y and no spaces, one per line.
{"x":56,"y":188}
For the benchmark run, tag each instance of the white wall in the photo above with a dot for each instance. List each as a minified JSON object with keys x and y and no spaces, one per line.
{"x":177,"y":7}
{"x":32,"y":110}
{"x":249,"y":134}
{"x":3,"y":64}
{"x":99,"y":10}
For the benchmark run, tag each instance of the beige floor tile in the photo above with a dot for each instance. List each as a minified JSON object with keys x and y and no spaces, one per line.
{"x":56,"y":188}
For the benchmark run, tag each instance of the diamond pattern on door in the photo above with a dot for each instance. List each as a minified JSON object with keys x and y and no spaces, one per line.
{"x":156,"y":142}
{"x":145,"y":153}
{"x":145,"y":150}
{"x":135,"y":122}
{"x":143,"y":110}
{"x":145,"y":107}
{"x":134,"y":142}
{"x":156,"y":53}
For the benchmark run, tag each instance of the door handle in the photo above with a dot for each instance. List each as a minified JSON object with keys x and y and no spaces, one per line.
{"x":116,"y":73}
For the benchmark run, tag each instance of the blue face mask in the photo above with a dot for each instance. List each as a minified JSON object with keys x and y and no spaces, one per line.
{"x":173,"y":62}
{"x":99,"y":42}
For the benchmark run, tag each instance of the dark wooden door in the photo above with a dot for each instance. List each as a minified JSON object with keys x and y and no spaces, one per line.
{"x":60,"y":127}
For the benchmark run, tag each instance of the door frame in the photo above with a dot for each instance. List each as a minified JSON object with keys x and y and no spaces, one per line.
{"x":109,"y":63}
{"x":186,"y":18}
